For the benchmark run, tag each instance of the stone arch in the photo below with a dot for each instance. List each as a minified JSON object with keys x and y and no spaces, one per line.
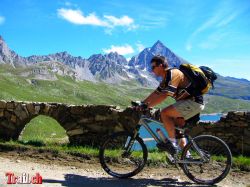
{"x":15,"y":115}
{"x":84,"y":124}
{"x":44,"y":128}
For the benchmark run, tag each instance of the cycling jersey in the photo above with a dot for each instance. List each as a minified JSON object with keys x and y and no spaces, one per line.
{"x":175,"y":84}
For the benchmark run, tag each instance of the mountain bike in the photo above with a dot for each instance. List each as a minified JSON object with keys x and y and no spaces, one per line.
{"x":205,"y":159}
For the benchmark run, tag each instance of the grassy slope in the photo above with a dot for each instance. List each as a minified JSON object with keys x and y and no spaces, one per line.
{"x":67,"y":90}
{"x":44,"y":129}
{"x":155,"y":158}
{"x":219,"y":104}
{"x":232,"y":88}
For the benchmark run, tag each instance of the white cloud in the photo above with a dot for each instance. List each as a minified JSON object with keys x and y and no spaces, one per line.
{"x":2,"y":19}
{"x":148,"y":15}
{"x":154,"y":15}
{"x":123,"y":21}
{"x":108,"y":21}
{"x":227,"y":20}
{"x":77,"y":17}
{"x":223,"y":16}
{"x":122,"y":50}
{"x":213,"y":40}
{"x":140,"y":47}
{"x":220,"y":18}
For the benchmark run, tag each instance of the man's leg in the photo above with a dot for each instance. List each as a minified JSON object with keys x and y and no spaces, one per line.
{"x":180,"y":122}
{"x":187,"y":109}
{"x":167,"y":116}
{"x":183,"y":142}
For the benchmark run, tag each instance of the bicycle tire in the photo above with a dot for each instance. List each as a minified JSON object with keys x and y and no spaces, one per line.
{"x":105,"y":160}
{"x":200,"y":140}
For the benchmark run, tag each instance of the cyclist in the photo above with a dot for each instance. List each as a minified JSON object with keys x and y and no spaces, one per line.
{"x":174,"y":84}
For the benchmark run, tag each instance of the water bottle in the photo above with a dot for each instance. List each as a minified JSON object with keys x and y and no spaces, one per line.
{"x":161,"y":134}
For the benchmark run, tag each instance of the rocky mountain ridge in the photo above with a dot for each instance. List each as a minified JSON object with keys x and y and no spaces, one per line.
{"x":110,"y":68}
{"x":143,"y":58}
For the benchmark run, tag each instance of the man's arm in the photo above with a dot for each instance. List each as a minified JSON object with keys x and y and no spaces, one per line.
{"x":155,"y":98}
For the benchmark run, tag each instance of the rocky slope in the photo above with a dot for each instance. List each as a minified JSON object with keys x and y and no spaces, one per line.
{"x":142,"y":60}
{"x":111,"y":68}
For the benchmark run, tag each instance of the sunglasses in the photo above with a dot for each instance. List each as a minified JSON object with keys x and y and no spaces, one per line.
{"x":153,"y":67}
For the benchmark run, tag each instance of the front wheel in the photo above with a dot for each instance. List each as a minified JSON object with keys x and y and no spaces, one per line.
{"x":122,"y":156}
{"x":211,"y":157}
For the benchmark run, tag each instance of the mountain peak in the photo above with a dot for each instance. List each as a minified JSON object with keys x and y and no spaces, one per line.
{"x":6,"y":55}
{"x":112,"y":53}
{"x":143,"y":59}
{"x":158,"y":44}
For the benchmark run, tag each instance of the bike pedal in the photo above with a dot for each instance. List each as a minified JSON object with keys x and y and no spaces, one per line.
{"x":167,"y":147}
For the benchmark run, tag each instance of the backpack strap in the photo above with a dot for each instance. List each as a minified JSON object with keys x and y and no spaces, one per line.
{"x":165,"y":85}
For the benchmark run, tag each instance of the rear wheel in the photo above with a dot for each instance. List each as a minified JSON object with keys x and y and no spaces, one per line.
{"x":213,"y":166}
{"x":122,"y":156}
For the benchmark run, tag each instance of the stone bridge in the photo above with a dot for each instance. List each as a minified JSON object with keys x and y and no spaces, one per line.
{"x":88,"y":124}
{"x":83,"y":124}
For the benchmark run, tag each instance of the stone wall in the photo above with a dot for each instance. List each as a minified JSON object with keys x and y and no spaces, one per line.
{"x":233,"y":128}
{"x":89,"y":124}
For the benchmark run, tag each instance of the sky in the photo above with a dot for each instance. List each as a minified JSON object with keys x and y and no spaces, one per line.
{"x":215,"y":33}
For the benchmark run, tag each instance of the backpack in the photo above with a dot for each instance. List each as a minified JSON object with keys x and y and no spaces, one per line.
{"x":202,"y":78}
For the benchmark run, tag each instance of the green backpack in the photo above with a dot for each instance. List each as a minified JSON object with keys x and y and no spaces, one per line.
{"x":202,"y":78}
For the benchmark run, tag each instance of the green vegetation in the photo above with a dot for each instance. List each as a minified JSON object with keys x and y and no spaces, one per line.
{"x":242,"y":162}
{"x":155,"y":158}
{"x":232,"y":88}
{"x":43,"y":129}
{"x":46,"y":134}
{"x":219,"y":104}
{"x":41,"y":146}
{"x":67,"y":90}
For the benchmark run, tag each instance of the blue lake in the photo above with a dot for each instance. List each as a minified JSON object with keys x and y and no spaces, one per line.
{"x":151,"y":143}
{"x":210,"y":117}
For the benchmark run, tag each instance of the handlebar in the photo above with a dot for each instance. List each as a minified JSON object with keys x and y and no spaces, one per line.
{"x":141,"y":105}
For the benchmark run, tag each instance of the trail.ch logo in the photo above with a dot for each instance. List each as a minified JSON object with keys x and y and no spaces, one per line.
{"x":23,"y":179}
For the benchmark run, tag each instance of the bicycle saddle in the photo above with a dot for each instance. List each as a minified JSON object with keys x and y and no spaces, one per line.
{"x":180,"y":122}
{"x":193,"y":120}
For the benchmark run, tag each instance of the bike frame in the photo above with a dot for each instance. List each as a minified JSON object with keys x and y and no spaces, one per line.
{"x":144,"y":121}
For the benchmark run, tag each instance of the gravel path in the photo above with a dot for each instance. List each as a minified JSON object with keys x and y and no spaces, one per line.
{"x":90,"y":174}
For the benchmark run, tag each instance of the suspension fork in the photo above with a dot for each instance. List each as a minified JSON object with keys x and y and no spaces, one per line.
{"x":130,"y":143}
{"x":201,"y":153}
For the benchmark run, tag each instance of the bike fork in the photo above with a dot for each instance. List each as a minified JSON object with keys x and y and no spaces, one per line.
{"x":201,"y":153}
{"x":129,"y":143}
{"x":128,"y":147}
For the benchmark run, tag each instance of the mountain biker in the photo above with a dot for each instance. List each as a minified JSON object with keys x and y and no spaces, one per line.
{"x":174,"y":84}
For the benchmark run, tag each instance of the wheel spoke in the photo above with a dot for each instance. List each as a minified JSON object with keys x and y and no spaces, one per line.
{"x":116,"y":161}
{"x":219,"y":160}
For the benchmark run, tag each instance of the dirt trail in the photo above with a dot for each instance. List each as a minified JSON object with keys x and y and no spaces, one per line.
{"x":87,"y":172}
